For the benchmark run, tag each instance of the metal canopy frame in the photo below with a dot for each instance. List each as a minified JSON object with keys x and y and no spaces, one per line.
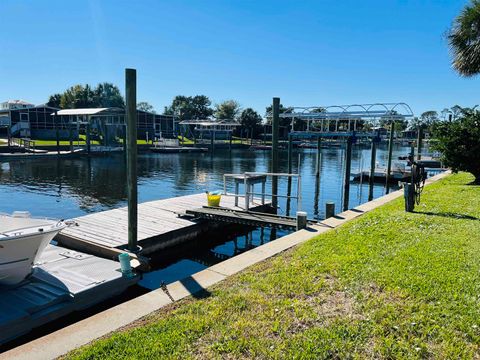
{"x":209,"y":125}
{"x":351,"y":114}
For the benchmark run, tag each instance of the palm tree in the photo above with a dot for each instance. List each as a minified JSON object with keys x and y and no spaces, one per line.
{"x":464,"y":40}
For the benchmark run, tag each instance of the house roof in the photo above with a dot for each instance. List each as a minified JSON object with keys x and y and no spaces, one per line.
{"x":90,"y":111}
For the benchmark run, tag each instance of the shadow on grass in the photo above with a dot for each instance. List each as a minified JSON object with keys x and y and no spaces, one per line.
{"x":448,"y":215}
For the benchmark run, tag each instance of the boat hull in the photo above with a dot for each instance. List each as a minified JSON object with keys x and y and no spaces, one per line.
{"x":18,"y":255}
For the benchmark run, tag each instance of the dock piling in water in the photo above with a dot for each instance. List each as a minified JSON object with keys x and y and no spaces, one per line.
{"x":348,"y":163}
{"x":319,"y":156}
{"x":372,"y":169}
{"x":329,"y":209}
{"x":419,"y":143}
{"x":275,"y":134}
{"x":131,"y":117}
{"x":389,"y":161}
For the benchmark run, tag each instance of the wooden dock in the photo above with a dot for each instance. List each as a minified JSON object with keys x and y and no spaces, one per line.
{"x":62,"y":282}
{"x":250,"y":218}
{"x":160,"y":225}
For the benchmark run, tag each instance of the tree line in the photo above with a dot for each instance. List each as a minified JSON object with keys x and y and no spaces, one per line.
{"x":200,"y":107}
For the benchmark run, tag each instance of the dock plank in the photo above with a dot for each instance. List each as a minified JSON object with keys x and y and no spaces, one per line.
{"x":158,"y":221}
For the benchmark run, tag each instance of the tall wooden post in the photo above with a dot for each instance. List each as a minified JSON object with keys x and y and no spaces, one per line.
{"x":57,"y":135}
{"x":131,"y":120}
{"x":348,"y":163}
{"x":373,"y":162}
{"x":87,"y":134}
{"x":319,"y":156}
{"x":275,"y":134}
{"x":289,"y":170}
{"x":389,"y":161}
{"x":419,"y":143}
{"x":70,"y":134}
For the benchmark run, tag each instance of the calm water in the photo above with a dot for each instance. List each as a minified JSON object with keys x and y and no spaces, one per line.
{"x":66,"y":188}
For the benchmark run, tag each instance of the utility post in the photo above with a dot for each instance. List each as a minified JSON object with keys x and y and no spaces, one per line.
{"x":131,"y":117}
{"x":275,"y":134}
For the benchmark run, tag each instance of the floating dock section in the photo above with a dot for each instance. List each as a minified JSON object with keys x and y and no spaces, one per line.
{"x":62,"y":282}
{"x":160,"y":225}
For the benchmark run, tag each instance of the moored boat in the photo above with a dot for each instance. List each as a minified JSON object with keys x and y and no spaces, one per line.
{"x":22,"y":240}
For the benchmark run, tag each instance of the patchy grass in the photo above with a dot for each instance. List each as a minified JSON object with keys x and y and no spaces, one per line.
{"x":389,"y":284}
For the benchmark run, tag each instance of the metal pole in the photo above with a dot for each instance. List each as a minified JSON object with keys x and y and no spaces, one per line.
{"x":275,"y":134}
{"x":131,"y":116}
{"x":372,"y":169}
{"x":419,"y":143}
{"x":348,"y":163}
{"x":389,"y":161}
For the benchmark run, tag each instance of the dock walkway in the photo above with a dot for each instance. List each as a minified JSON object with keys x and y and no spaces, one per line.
{"x":62,"y":282}
{"x":159,"y":225}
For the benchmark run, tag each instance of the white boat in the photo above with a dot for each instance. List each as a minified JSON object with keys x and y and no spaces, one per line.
{"x":22,"y":240}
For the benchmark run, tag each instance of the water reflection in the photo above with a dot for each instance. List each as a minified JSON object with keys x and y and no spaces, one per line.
{"x":72,"y":187}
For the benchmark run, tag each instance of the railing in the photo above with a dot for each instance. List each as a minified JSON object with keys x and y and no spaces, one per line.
{"x":251,"y":175}
{"x":27,"y":144}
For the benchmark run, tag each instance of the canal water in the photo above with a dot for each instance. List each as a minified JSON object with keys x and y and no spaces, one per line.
{"x":66,"y":188}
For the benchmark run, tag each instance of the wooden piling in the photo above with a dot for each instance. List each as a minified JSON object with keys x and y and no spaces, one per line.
{"x":70,"y":135}
{"x":57,"y":135}
{"x":372,"y":169}
{"x":419,"y":143}
{"x":301,"y":220}
{"x":329,"y":209}
{"x":87,"y":135}
{"x":346,"y":184}
{"x":131,"y":120}
{"x":275,"y":134}
{"x":319,"y":157}
{"x":390,"y":151}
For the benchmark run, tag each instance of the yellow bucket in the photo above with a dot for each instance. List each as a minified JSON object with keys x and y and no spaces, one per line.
{"x":213,"y":199}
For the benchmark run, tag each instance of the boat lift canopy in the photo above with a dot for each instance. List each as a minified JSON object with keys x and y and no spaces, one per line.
{"x":345,"y":119}
{"x":210,"y":125}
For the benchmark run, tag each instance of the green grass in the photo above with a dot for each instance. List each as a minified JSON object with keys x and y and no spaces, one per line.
{"x":389,"y":284}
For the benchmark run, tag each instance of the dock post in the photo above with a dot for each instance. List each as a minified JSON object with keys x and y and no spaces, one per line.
{"x":57,"y":134}
{"x":372,"y":169}
{"x":211,"y":141}
{"x":301,"y":220}
{"x":389,"y":161}
{"x":275,"y":134}
{"x":319,"y":156}
{"x":124,"y":139}
{"x":329,"y":209}
{"x":87,"y":135}
{"x":289,"y":170}
{"x":419,"y":143}
{"x":70,"y":134}
{"x":316,"y":197}
{"x":131,"y":121}
{"x":230,"y":142}
{"x":348,"y":163}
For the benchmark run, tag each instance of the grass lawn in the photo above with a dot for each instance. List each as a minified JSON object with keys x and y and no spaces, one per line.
{"x":389,"y":284}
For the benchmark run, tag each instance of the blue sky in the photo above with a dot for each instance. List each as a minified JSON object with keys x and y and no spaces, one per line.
{"x":305,"y":52}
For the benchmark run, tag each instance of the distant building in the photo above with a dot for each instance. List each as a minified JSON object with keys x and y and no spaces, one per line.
{"x":44,"y":122}
{"x":15,"y":104}
{"x":27,"y":120}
